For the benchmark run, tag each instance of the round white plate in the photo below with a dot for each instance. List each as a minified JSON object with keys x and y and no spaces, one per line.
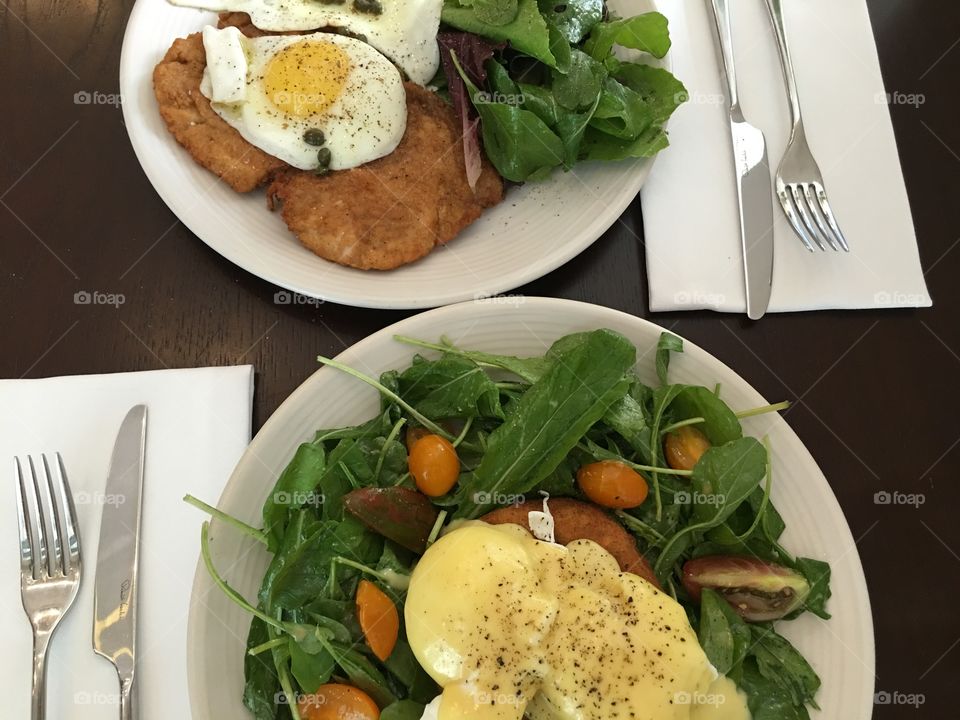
{"x":840,"y":650}
{"x":537,"y":227}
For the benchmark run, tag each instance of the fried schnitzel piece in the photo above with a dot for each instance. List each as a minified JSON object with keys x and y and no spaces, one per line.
{"x":394,"y":210}
{"x":192,"y":121}
{"x":576,"y":520}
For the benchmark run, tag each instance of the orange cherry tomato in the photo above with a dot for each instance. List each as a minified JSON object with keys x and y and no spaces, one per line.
{"x":612,"y":484}
{"x":334,"y":701}
{"x":378,"y":618}
{"x":434,"y":464}
{"x":684,"y":446}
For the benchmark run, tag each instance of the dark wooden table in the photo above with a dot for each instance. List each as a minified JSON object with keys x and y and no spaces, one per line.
{"x":877,"y":393}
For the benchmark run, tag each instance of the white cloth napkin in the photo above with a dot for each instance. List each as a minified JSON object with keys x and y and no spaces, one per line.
{"x":198,"y":424}
{"x":689,"y":202}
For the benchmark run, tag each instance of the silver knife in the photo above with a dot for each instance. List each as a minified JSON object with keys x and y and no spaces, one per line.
{"x":115,"y":598}
{"x":754,"y":189}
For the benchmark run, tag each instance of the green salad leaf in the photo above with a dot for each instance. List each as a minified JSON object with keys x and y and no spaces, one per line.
{"x":527,"y":32}
{"x":647,"y":33}
{"x":573,"y":18}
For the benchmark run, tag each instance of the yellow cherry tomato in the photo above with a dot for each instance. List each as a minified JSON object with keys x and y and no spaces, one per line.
{"x":378,"y":619}
{"x":684,"y":446}
{"x":335,"y":701}
{"x":434,"y":464}
{"x":612,"y":484}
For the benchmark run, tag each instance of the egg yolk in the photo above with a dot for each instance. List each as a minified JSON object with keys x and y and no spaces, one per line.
{"x":512,"y":627}
{"x":306,"y":78}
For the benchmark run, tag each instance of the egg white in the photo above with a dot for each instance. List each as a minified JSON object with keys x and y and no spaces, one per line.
{"x":366,"y":121}
{"x":406,"y":30}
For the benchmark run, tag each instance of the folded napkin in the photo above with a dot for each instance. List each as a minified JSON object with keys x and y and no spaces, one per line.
{"x":198,"y":424}
{"x":689,"y":203}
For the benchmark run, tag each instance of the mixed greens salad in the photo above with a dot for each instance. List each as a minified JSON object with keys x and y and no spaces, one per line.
{"x":351,"y":513}
{"x":541,"y":83}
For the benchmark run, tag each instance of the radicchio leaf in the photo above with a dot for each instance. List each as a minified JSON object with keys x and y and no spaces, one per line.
{"x":472,"y":52}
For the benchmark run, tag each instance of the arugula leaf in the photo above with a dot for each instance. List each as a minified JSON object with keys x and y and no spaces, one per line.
{"x":723,"y":634}
{"x":541,"y":102}
{"x":310,"y":670}
{"x":632,"y":421}
{"x":493,"y":12}
{"x":780,"y":662}
{"x":573,"y":18}
{"x":261,"y":684}
{"x":817,"y":574}
{"x":767,"y":699}
{"x":728,"y":474}
{"x":527,"y":32}
{"x":451,"y":387}
{"x":402,"y":710}
{"x":551,"y":417}
{"x":647,"y":32}
{"x":363,"y":673}
{"x":667,"y":344}
{"x":598,"y":145}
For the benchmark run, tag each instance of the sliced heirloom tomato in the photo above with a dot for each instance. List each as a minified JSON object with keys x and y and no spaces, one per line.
{"x":335,"y":701}
{"x":398,"y":513}
{"x":434,"y":464}
{"x":758,"y":591}
{"x":684,"y":447}
{"x":612,"y":484}
{"x":378,"y":619}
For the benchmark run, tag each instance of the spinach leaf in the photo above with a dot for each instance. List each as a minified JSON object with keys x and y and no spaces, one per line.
{"x":647,"y":32}
{"x":666,"y":344}
{"x":527,"y":32}
{"x":780,"y":662}
{"x":581,"y":84}
{"x":723,"y":634}
{"x":573,"y":18}
{"x":261,"y":686}
{"x":551,"y":417}
{"x":404,"y":666}
{"x":364,"y":674}
{"x":293,"y":489}
{"x":402,"y":710}
{"x":720,"y":422}
{"x":451,"y":387}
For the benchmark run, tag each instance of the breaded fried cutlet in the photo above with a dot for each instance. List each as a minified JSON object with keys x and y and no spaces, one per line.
{"x":192,"y":121}
{"x":394,"y":210}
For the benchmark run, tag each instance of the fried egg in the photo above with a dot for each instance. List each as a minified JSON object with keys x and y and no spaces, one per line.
{"x":317,"y":101}
{"x":403,"y":30}
{"x":513,"y":627}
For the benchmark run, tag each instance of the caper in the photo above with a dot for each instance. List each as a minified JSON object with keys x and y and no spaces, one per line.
{"x":323,"y":159}
{"x":370,"y":7}
{"x":314,"y":136}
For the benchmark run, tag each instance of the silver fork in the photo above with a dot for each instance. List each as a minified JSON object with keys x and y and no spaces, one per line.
{"x":799,"y":181}
{"x":49,"y":559}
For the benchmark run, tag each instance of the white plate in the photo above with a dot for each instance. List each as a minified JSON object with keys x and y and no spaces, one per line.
{"x":537,"y":227}
{"x":840,"y":650}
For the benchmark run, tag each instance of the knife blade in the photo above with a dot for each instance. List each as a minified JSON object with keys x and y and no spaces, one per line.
{"x":115,"y":592}
{"x":754,"y":187}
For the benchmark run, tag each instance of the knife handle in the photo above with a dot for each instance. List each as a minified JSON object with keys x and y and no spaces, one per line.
{"x":775,"y":9}
{"x":721,"y":15}
{"x":128,"y":701}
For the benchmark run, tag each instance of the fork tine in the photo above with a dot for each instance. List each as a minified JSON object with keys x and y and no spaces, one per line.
{"x":71,"y":533}
{"x":23,"y":522}
{"x":54,"y":515}
{"x":37,"y":535}
{"x":804,"y":211}
{"x":817,"y":215}
{"x":828,"y":214}
{"x":791,"y":214}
